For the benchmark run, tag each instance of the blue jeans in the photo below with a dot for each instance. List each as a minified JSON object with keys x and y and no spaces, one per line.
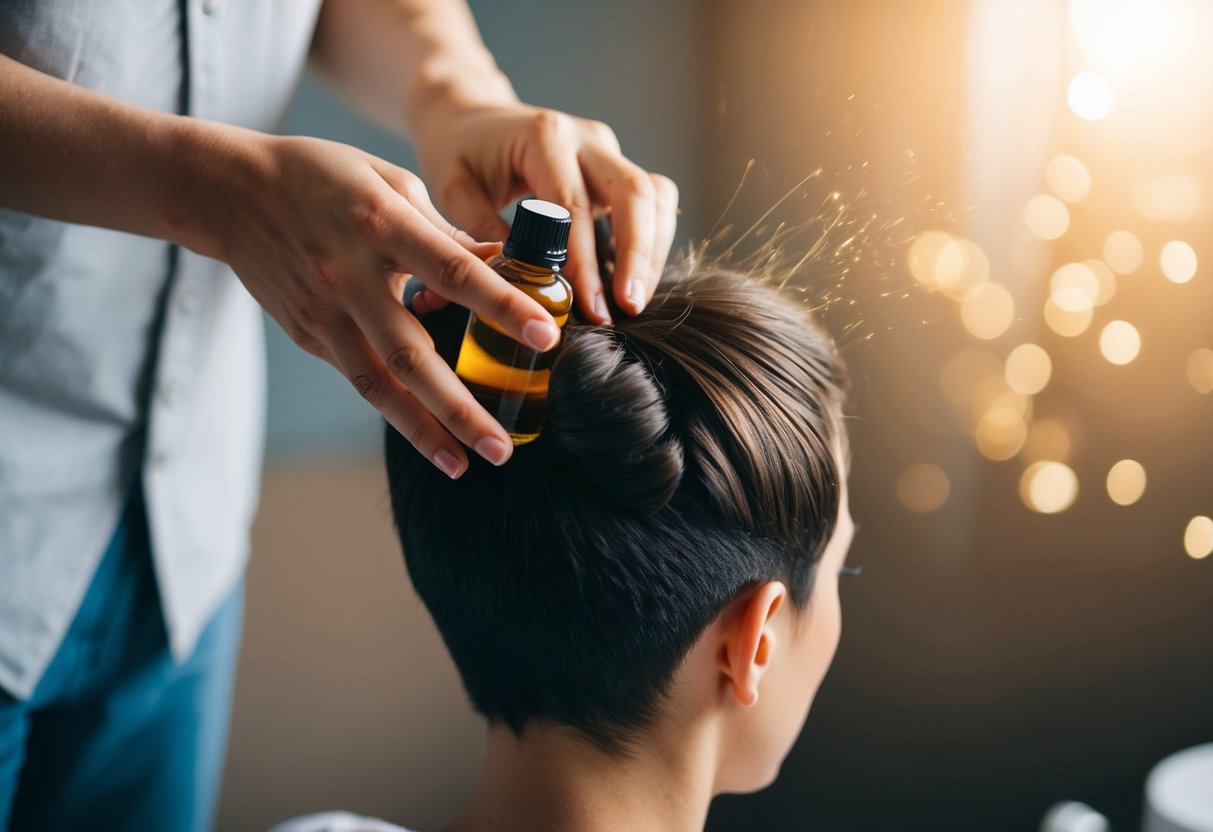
{"x":117,"y":735}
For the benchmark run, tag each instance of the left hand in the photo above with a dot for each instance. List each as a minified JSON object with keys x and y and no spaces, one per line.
{"x":479,"y":158}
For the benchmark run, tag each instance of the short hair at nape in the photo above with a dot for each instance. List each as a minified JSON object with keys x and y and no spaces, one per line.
{"x":689,"y":452}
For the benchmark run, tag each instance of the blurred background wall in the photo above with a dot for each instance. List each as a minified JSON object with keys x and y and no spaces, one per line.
{"x":998,"y":187}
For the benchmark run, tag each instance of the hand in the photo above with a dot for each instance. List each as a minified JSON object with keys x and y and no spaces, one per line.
{"x":479,"y":158}
{"x":324,"y":236}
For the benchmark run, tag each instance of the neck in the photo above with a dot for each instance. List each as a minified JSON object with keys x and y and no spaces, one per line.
{"x":552,"y":781}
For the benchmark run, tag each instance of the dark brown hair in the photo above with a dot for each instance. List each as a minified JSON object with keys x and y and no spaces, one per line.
{"x":689,"y":452}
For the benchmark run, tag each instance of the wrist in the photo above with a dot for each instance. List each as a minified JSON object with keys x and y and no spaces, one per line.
{"x":214,"y":169}
{"x":445,"y":89}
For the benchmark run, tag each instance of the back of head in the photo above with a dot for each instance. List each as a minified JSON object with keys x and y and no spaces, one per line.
{"x":689,"y":452}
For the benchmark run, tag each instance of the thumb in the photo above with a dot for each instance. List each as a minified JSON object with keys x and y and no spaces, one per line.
{"x":469,"y":207}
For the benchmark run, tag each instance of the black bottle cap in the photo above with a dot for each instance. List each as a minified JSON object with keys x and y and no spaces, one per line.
{"x":540,"y":235}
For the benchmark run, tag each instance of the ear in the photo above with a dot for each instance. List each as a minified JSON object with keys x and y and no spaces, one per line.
{"x":749,"y":640}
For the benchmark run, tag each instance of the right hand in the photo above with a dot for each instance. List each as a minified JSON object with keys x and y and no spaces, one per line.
{"x":324,"y":236}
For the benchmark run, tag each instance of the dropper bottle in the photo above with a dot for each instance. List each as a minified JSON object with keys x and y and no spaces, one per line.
{"x":510,"y":380}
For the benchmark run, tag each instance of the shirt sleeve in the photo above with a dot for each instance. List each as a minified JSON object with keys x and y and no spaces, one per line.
{"x":336,"y":822}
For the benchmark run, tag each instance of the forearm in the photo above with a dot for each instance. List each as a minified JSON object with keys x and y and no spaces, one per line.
{"x":406,"y":61}
{"x":76,"y":155}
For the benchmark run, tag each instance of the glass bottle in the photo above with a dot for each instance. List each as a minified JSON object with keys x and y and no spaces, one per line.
{"x":509,"y":379}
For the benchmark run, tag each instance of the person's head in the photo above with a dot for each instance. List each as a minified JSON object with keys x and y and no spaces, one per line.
{"x":668,"y":548}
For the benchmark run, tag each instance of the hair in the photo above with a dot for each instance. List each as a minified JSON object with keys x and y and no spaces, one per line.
{"x":689,"y":452}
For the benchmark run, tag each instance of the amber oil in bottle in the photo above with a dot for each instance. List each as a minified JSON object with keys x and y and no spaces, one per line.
{"x":509,"y":379}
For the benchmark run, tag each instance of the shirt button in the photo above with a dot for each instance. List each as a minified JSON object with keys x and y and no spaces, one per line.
{"x":159,"y":461}
{"x":170,"y":393}
{"x":210,"y":7}
{"x":188,"y":299}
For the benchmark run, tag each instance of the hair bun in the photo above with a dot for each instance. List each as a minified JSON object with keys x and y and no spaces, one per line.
{"x":607,"y":411}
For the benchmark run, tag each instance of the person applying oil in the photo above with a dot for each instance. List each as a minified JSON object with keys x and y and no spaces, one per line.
{"x":508,"y":379}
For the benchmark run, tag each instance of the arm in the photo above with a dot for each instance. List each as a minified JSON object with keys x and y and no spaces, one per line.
{"x":419,"y":65}
{"x":400,"y":61}
{"x":320,"y":233}
{"x":73,"y":155}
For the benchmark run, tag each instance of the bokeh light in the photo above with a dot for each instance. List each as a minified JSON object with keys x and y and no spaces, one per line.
{"x":1198,"y":537}
{"x":1119,"y":342}
{"x":1048,"y":439}
{"x":1028,"y":368}
{"x":1075,"y":286}
{"x":1126,"y":482}
{"x":997,"y":394}
{"x":1200,"y":370}
{"x":1067,"y":322}
{"x":987,"y":310}
{"x":1046,"y":216}
{"x":975,"y":269}
{"x":1071,"y":299}
{"x":945,"y":263}
{"x":935,"y":259}
{"x":1068,"y":178}
{"x":1178,"y":261}
{"x":1123,"y":252}
{"x":923,"y":487}
{"x":1000,"y":433}
{"x":1170,"y":198}
{"x":1048,"y":487}
{"x":1105,"y":278}
{"x":1091,"y":96}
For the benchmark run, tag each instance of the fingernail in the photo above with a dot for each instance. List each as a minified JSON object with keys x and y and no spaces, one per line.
{"x":492,"y":449}
{"x":447,"y":462}
{"x":601,"y":310}
{"x":540,"y":335}
{"x":636,"y":294}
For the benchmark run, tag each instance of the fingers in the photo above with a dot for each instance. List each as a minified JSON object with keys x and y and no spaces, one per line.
{"x":427,"y":301}
{"x":412,"y":188}
{"x":405,"y":350}
{"x":667,"y":222}
{"x":632,"y":195}
{"x":554,"y":173}
{"x":464,"y":200}
{"x":446,"y":261}
{"x":350,"y":353}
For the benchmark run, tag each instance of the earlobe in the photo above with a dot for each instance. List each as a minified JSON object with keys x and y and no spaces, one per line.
{"x":750,"y":643}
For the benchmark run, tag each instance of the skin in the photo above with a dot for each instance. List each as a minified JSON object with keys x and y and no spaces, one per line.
{"x":736,"y":706}
{"x":324,"y":235}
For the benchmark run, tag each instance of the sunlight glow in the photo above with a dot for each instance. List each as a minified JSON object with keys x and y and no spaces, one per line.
{"x":1091,"y":96}
{"x":1133,"y":41}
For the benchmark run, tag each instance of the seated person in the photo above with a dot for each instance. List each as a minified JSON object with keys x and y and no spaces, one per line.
{"x":644,"y":600}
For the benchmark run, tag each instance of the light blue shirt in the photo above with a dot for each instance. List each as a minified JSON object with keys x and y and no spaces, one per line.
{"x":122,"y":355}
